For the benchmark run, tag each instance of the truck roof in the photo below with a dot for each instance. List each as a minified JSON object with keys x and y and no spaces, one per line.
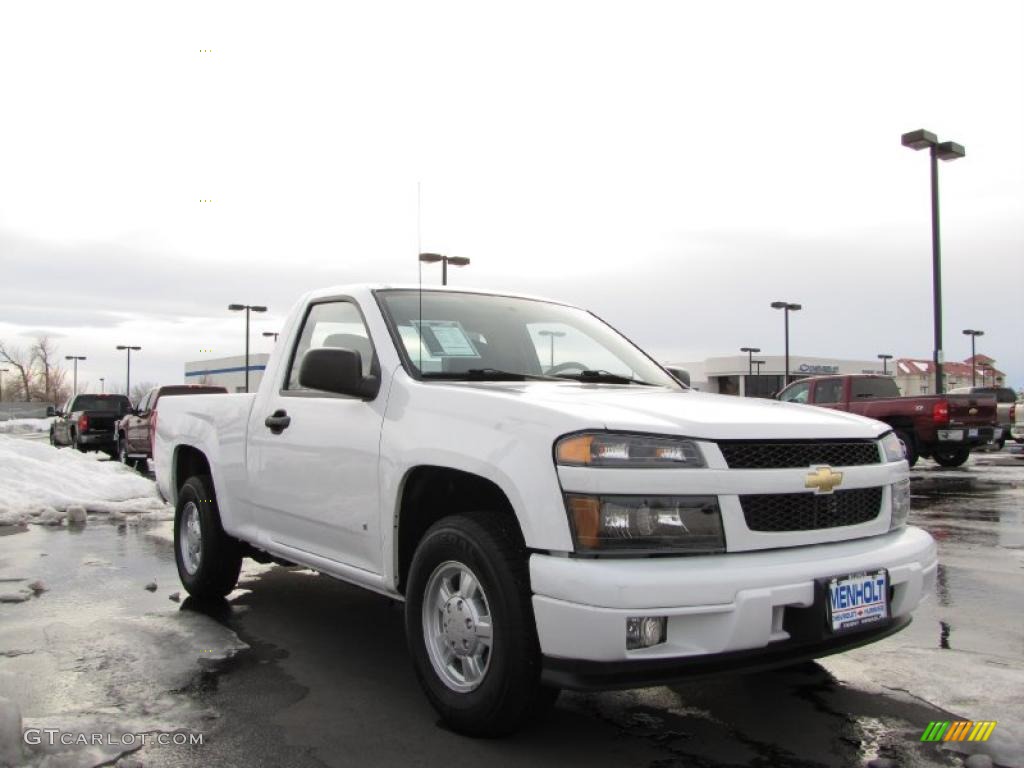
{"x":368,"y":288}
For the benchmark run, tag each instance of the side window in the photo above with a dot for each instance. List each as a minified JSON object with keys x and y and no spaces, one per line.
{"x":331,"y":324}
{"x":797,"y":393}
{"x":828,"y":391}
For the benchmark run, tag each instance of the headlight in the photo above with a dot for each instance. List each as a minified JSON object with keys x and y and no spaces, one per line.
{"x":647,"y":524}
{"x":607,"y":449}
{"x":900,"y":493}
{"x":892,"y":448}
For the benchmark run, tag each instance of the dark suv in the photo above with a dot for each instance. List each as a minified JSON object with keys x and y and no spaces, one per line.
{"x":86,"y":422}
{"x":135,"y":430}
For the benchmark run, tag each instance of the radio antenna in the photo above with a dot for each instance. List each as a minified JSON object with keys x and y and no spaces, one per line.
{"x":419,"y":264}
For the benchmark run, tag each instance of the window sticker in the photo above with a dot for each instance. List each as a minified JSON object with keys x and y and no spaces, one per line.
{"x":446,"y":338}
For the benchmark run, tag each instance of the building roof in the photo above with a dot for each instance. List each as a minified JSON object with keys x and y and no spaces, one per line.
{"x":909,"y":366}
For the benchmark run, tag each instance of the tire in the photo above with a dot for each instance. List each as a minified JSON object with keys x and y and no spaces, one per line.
{"x":909,"y":446}
{"x":208,"y":559}
{"x":951,"y":457}
{"x":999,"y":444}
{"x":497,"y":692}
{"x":53,"y":439}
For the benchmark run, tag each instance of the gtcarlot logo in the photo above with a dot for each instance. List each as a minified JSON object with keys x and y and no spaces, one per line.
{"x":53,"y":736}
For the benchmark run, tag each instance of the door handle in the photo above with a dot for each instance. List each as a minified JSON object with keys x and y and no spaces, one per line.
{"x":278,"y":421}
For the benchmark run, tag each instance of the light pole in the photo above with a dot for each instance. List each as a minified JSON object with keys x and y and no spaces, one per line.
{"x":750,"y":361}
{"x":455,"y":261}
{"x":2,"y":372}
{"x":268,"y":334}
{"x":787,"y":307}
{"x":758,"y":363}
{"x":128,"y":375}
{"x":974,"y":363}
{"x":885,"y":359}
{"x":947,"y":150}
{"x":76,"y":358}
{"x":551,"y":335}
{"x":103,"y":385}
{"x":248,"y":308}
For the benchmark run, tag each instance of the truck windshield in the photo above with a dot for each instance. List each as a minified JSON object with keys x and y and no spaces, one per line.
{"x":483,"y":336}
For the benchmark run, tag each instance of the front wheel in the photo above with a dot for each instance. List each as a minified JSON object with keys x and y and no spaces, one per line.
{"x":470,"y":626}
{"x":208,"y":559}
{"x":951,"y":457}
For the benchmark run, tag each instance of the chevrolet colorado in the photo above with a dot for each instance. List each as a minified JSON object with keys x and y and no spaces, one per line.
{"x":552,"y":507}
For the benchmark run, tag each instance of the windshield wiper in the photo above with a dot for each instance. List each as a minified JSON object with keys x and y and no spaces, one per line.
{"x":488,"y":374}
{"x":603,"y":377}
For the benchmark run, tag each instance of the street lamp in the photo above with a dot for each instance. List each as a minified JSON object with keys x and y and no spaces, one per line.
{"x":248,"y":308}
{"x":974,"y":363}
{"x":885,"y":359}
{"x":128,"y":375}
{"x":268,"y":334}
{"x":947,"y":150}
{"x":552,"y":335}
{"x":103,"y":385}
{"x":455,"y":261}
{"x":787,"y":307}
{"x":2,"y":372}
{"x":76,"y":358}
{"x":758,"y":363}
{"x":750,"y":359}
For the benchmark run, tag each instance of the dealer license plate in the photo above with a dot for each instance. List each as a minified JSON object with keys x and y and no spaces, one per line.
{"x":858,"y":599}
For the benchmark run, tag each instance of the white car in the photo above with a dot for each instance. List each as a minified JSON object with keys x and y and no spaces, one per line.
{"x":554,"y":509}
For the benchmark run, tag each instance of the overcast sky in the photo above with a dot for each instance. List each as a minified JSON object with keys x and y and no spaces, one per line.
{"x":672,"y":166}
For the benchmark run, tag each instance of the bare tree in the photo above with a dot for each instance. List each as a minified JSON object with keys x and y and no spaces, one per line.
{"x":21,"y":361}
{"x":139,"y":391}
{"x":50,"y":375}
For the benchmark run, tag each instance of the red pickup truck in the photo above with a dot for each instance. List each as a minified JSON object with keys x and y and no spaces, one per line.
{"x":942,"y":427}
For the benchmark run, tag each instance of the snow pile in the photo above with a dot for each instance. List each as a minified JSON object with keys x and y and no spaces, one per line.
{"x":39,"y":483}
{"x":25,"y":426}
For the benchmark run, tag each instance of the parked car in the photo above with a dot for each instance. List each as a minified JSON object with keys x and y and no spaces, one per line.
{"x":943,"y":427}
{"x":581,"y":521}
{"x":1006,"y":408}
{"x":86,"y":422}
{"x":135,"y":430}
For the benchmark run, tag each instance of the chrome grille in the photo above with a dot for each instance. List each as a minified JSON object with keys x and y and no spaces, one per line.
{"x":776,"y":512}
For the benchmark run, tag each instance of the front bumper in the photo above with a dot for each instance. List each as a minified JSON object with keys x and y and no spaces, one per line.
{"x":753,"y":603}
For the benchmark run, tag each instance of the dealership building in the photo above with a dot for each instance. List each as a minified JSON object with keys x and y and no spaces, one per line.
{"x":228,"y":371}
{"x":732,"y":375}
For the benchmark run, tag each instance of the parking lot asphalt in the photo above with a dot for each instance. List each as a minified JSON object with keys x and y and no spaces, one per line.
{"x":300,"y":670}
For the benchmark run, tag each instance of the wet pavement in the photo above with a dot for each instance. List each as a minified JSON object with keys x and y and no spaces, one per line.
{"x":301,"y":670}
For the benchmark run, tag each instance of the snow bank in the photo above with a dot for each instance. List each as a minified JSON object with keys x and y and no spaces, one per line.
{"x":25,"y":426}
{"x":38,"y":483}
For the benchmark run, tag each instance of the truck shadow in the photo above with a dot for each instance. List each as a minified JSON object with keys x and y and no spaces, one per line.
{"x":329,"y":673}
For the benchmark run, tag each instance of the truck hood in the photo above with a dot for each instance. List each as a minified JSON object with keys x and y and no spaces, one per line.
{"x":689,"y":413}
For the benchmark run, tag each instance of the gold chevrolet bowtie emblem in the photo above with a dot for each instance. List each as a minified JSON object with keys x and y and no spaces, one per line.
{"x":973,"y":411}
{"x":823,"y":480}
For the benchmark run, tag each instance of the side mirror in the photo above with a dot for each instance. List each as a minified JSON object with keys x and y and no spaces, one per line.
{"x":331,"y":369}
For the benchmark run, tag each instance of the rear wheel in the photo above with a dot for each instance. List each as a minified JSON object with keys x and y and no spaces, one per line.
{"x":951,"y":457}
{"x":123,"y":457}
{"x":470,"y":627}
{"x":208,"y":559}
{"x":77,"y":445}
{"x":909,"y":446}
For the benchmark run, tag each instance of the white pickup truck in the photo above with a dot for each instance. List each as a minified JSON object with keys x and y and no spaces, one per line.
{"x":554,"y":509}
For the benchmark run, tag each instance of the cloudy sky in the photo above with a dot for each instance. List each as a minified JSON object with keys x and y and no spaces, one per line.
{"x":673,"y":166}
